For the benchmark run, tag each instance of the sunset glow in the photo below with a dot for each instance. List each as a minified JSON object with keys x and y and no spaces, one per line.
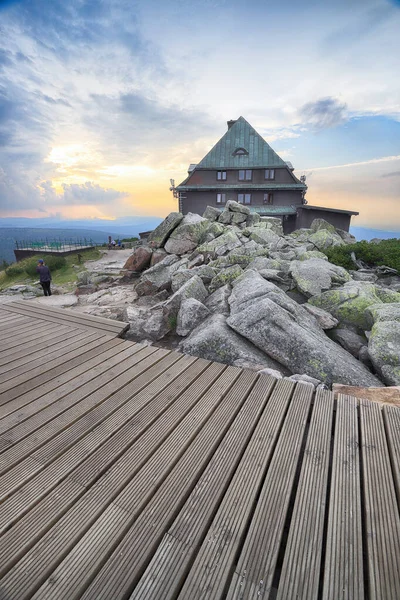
{"x":98,"y":115}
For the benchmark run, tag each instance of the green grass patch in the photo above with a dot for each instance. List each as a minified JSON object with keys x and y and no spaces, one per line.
{"x":63,"y":269}
{"x":386,"y":252}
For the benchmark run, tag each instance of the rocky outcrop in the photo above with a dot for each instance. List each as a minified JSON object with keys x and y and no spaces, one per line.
{"x":325,"y":319}
{"x":350,"y":302}
{"x":225,"y":277}
{"x":217,"y":302}
{"x":264,"y":315}
{"x":159,"y":277}
{"x":238,"y":290}
{"x":147,"y":323}
{"x":158,"y":237}
{"x":315,"y":276}
{"x":349,"y":340}
{"x":191,"y":313}
{"x":221,"y":245}
{"x":214,"y":340}
{"x":193,"y":288}
{"x":384,"y":350}
{"x":187,"y":235}
{"x":323,"y":239}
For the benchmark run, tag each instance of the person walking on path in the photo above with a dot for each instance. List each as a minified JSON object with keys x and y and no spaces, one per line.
{"x":45,"y":277}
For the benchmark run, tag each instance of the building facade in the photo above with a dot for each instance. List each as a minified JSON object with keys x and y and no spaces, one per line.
{"x":243,"y":167}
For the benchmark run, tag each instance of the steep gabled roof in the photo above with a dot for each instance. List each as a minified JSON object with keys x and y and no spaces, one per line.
{"x":241,"y":135}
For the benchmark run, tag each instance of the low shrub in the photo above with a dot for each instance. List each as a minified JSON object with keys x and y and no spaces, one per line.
{"x":14,"y":270}
{"x":53,"y":262}
{"x":386,"y":252}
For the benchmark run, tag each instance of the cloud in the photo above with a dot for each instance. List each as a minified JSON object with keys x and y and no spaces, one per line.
{"x":361,"y":163}
{"x":137,"y":129}
{"x":80,"y":194}
{"x":393,"y":174}
{"x":323,"y":113}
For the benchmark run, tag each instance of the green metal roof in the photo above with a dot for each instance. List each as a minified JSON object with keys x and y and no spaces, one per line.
{"x":243,"y":186}
{"x":241,"y":135}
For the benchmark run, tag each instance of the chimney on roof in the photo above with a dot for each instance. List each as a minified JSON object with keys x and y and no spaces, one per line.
{"x":231,"y":122}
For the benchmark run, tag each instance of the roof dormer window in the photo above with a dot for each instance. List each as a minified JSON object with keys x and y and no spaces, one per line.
{"x":240,"y":152}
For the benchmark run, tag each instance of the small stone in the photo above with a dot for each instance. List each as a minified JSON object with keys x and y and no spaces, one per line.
{"x":303,"y":378}
{"x":271,"y":372}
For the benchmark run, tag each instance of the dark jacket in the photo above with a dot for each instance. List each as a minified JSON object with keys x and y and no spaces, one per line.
{"x":44,"y":273}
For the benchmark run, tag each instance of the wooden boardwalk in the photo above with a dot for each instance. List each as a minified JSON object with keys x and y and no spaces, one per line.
{"x":129,"y":471}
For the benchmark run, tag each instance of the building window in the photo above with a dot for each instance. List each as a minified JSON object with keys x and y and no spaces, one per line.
{"x":268,"y":198}
{"x":269,"y":174}
{"x":245,"y":174}
{"x":221,"y":175}
{"x":221,"y":198}
{"x":240,"y":152}
{"x":244,"y":198}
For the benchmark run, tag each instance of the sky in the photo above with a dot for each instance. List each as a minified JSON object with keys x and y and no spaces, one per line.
{"x":102,"y":102}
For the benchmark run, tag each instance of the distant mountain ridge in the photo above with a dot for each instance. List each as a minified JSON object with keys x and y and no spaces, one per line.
{"x":363,"y":233}
{"x":127,"y":225}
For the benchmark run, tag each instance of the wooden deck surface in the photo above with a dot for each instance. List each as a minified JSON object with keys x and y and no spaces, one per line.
{"x":129,"y":471}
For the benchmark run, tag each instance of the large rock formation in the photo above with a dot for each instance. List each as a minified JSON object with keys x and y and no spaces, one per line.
{"x":214,"y":340}
{"x":240,"y":291}
{"x":264,"y":315}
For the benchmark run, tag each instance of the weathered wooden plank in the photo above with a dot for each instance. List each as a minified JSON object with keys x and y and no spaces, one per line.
{"x":26,"y":369}
{"x":391,"y":415}
{"x":40,"y":348}
{"x":47,"y":371}
{"x":216,"y":558}
{"x":164,"y":575}
{"x":19,"y":353}
{"x":18,"y":410}
{"x":79,"y":323}
{"x":62,"y":432}
{"x":300,"y":574}
{"x":49,"y":318}
{"x":343,"y":574}
{"x":382,"y":521}
{"x":6,"y":317}
{"x":131,"y":445}
{"x":20,"y":307}
{"x":253,"y":575}
{"x":103,"y":442}
{"x":121,"y":569}
{"x":65,"y":312}
{"x":23,"y":336}
{"x":64,"y":316}
{"x":51,"y":405}
{"x":12,"y":322}
{"x":61,"y":366}
{"x":27,"y":575}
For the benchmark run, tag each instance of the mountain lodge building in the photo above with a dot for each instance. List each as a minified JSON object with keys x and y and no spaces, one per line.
{"x":243,"y":167}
